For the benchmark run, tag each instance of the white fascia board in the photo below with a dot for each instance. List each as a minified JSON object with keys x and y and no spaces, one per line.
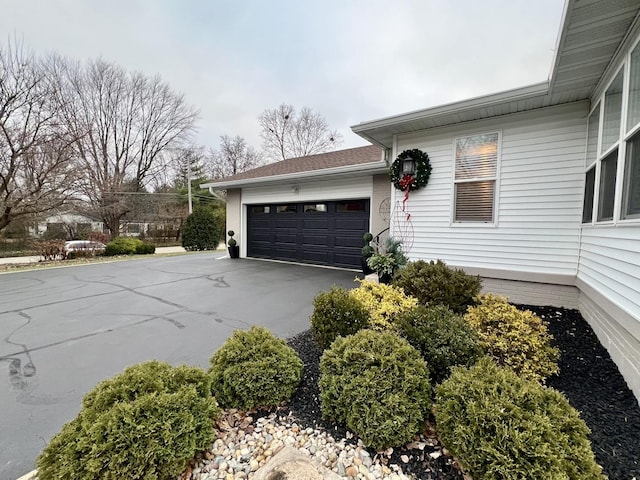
{"x":562,"y":36}
{"x":374,"y":167}
{"x":523,"y":93}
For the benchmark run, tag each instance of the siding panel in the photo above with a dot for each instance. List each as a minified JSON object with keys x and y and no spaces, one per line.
{"x":539,"y":195}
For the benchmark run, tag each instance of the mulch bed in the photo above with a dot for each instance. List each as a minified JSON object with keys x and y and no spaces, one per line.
{"x":588,"y":377}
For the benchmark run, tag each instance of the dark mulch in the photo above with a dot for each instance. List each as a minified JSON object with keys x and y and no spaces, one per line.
{"x":588,"y":377}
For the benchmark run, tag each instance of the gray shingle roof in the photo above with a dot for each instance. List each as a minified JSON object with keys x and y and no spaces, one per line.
{"x":321,"y":161}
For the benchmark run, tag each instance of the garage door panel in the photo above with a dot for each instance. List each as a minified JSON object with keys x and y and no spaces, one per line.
{"x":325,"y":233}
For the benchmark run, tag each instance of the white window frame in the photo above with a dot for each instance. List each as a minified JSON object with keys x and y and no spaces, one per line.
{"x":496,"y":179}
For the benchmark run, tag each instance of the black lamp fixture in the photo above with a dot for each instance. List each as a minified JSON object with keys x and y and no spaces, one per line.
{"x":408,"y":166}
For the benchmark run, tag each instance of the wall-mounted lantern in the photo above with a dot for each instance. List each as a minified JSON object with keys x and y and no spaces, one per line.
{"x":408,"y":166}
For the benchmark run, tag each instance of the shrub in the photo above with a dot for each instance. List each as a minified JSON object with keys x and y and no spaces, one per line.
{"x":500,"y":426}
{"x":383,"y":302}
{"x":202,"y":230}
{"x":513,"y":338}
{"x":376,"y":384}
{"x":145,"y":249}
{"x":147,"y":422}
{"x":443,"y":338}
{"x":336,"y":313}
{"x":50,"y":249}
{"x":254,"y":369}
{"x":122,"y":246}
{"x":434,"y":283}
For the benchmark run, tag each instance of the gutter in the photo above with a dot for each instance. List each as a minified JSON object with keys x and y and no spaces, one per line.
{"x":374,"y":167}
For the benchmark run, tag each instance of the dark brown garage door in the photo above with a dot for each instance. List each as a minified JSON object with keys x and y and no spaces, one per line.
{"x":322,"y":233}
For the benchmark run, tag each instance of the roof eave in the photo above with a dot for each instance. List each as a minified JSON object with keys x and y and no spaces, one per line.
{"x":370,"y":168}
{"x":484,"y":101}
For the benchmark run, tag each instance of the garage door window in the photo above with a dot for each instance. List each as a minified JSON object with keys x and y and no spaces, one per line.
{"x":315,"y":208}
{"x":353,"y":206}
{"x":260,"y":209}
{"x":286,"y":208}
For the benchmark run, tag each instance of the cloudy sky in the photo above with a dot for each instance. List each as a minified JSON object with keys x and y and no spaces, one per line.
{"x":350,"y":60}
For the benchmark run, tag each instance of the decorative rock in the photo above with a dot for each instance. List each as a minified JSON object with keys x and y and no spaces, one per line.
{"x":352,"y":471}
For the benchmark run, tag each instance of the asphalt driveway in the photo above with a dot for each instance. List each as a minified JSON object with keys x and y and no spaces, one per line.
{"x":63,"y":330}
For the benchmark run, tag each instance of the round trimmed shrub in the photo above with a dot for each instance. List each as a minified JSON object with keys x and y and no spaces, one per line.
{"x":514,"y":338}
{"x":434,"y":283}
{"x":254,"y":369}
{"x":123,"y":246}
{"x":500,"y":426}
{"x":383,"y":302}
{"x":202,"y":230}
{"x":145,"y":249}
{"x":147,"y":422}
{"x":377,"y":385}
{"x":336,"y":313}
{"x":443,"y":339}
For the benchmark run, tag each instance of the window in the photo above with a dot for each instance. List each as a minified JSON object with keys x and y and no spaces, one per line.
{"x":476,"y":164}
{"x":315,"y":207}
{"x":633,"y":112}
{"x":607,"y":190}
{"x":612,"y":109}
{"x":351,"y":206}
{"x":291,"y":208}
{"x":589,"y":186}
{"x":260,"y":209}
{"x":631,"y":191}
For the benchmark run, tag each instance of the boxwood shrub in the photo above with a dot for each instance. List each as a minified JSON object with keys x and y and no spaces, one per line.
{"x":434,"y":283}
{"x":376,"y":384}
{"x":254,"y":369}
{"x":128,"y":246}
{"x":336,"y":313}
{"x":443,"y":338}
{"x":501,"y":426}
{"x":147,"y":422}
{"x":514,"y":338}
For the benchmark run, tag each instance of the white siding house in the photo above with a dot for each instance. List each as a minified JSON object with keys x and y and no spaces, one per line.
{"x":557,"y":194}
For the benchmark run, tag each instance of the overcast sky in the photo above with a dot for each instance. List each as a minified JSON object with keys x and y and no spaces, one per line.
{"x":350,"y":60}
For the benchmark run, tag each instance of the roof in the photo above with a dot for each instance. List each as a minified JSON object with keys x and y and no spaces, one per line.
{"x":591,"y":34}
{"x":348,"y":160}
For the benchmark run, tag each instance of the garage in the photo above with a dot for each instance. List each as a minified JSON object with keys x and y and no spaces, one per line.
{"x":315,"y":232}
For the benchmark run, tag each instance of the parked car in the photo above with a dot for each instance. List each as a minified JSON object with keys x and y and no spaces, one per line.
{"x":86,"y":247}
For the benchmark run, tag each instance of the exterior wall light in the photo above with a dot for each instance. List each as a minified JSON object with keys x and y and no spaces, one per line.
{"x":408,"y":166}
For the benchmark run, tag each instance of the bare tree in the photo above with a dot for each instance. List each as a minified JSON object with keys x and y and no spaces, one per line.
{"x":36,"y":173}
{"x":131,"y":123}
{"x":235,"y":156}
{"x":287,"y":133}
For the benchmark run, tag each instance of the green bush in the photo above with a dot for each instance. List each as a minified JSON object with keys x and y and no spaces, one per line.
{"x":202,"y":230}
{"x":443,"y":338}
{"x":145,"y":249}
{"x":254,"y":369}
{"x":377,"y":385}
{"x":434,"y":283}
{"x":123,"y":246}
{"x":336,"y":313}
{"x":147,"y":422}
{"x":513,"y":338}
{"x":500,"y":426}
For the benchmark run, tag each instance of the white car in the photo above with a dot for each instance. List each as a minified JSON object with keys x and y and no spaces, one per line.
{"x":85,"y":246}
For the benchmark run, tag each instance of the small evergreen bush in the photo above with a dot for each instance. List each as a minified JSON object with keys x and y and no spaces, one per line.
{"x":147,"y":422}
{"x":145,"y":249}
{"x":123,"y":246}
{"x":513,"y":338}
{"x":383,"y":302}
{"x":336,"y":313}
{"x":443,"y":339}
{"x":377,"y":385}
{"x":500,"y":426}
{"x":254,"y":369}
{"x":434,"y":283}
{"x":202,"y":230}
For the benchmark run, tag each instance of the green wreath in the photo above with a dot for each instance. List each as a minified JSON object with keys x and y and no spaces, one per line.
{"x":406,"y":182}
